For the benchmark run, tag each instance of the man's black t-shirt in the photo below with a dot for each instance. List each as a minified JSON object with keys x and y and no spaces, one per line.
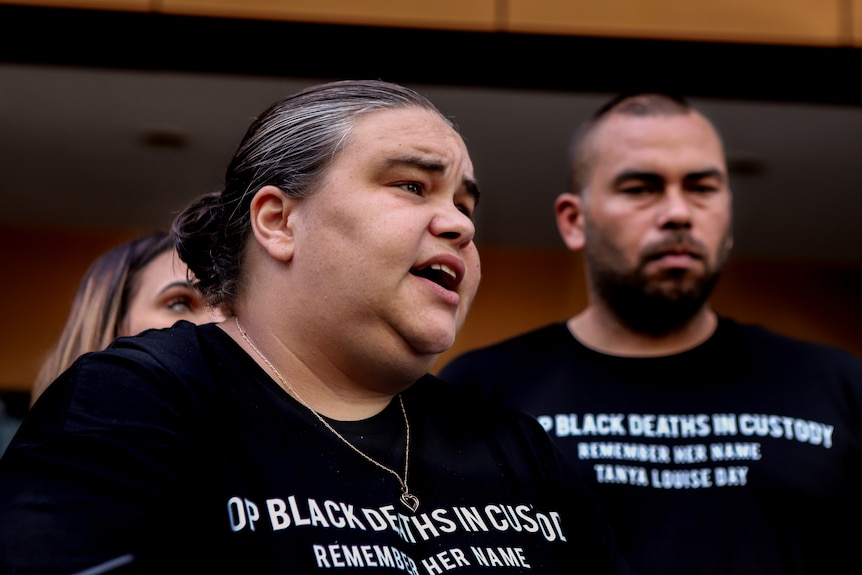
{"x":742,"y":455}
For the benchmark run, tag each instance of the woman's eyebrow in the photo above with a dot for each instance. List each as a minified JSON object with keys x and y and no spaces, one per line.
{"x":176,"y":284}
{"x":435,"y":166}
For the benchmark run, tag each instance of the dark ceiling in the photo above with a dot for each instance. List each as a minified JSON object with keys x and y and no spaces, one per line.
{"x":117,"y":119}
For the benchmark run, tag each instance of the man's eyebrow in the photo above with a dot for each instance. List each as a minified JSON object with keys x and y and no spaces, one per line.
{"x":626,"y":175}
{"x":468,"y":184}
{"x":654,"y":178}
{"x":710,"y":173}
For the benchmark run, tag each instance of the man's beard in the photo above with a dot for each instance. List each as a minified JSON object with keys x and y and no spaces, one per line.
{"x":641,"y":303}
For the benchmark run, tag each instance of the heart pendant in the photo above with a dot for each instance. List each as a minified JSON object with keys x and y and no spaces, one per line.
{"x":410,"y":501}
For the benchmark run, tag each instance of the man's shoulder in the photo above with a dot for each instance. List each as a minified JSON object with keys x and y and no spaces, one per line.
{"x":763,"y":340}
{"x":513,"y":359}
{"x":448,"y":402}
{"x":540,"y":338}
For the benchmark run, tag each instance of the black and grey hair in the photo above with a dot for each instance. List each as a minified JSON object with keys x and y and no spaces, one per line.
{"x":628,"y":104}
{"x":290,"y":145}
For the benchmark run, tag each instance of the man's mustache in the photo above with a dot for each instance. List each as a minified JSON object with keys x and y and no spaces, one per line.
{"x":676,"y":243}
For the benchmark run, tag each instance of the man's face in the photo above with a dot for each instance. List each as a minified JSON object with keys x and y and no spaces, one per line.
{"x":386,"y":245}
{"x":657,"y":217}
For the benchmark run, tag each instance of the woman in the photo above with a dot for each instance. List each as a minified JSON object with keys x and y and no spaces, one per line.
{"x":303,"y":434}
{"x":136,"y":285}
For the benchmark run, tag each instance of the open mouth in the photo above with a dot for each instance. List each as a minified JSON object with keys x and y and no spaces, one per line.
{"x":440,"y":274}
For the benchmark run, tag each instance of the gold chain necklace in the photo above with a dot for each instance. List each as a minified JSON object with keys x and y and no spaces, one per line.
{"x":408,"y":499}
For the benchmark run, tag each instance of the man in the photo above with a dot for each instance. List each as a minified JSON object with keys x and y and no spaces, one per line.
{"x":715,"y":447}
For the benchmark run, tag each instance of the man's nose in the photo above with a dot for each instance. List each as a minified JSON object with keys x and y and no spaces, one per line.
{"x":675,"y":208}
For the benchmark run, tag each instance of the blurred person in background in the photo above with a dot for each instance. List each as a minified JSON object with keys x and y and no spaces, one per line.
{"x":137,"y":285}
{"x":715,"y":447}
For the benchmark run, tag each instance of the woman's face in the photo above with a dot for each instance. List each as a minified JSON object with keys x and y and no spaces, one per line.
{"x":163,"y":296}
{"x":386,"y":243}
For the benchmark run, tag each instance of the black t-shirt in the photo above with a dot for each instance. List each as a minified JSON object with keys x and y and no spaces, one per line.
{"x":742,"y":455}
{"x":172,"y":451}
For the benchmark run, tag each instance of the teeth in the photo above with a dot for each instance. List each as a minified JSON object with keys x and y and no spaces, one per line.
{"x":444,"y":268}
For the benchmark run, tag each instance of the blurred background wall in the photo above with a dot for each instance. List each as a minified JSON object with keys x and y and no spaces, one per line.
{"x":114,"y":113}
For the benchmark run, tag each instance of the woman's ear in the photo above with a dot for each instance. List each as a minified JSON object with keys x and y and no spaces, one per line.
{"x":570,"y":220}
{"x":271,"y":223}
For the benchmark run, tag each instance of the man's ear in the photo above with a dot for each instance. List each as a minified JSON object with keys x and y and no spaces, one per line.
{"x":271,"y":223}
{"x":570,"y":220}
